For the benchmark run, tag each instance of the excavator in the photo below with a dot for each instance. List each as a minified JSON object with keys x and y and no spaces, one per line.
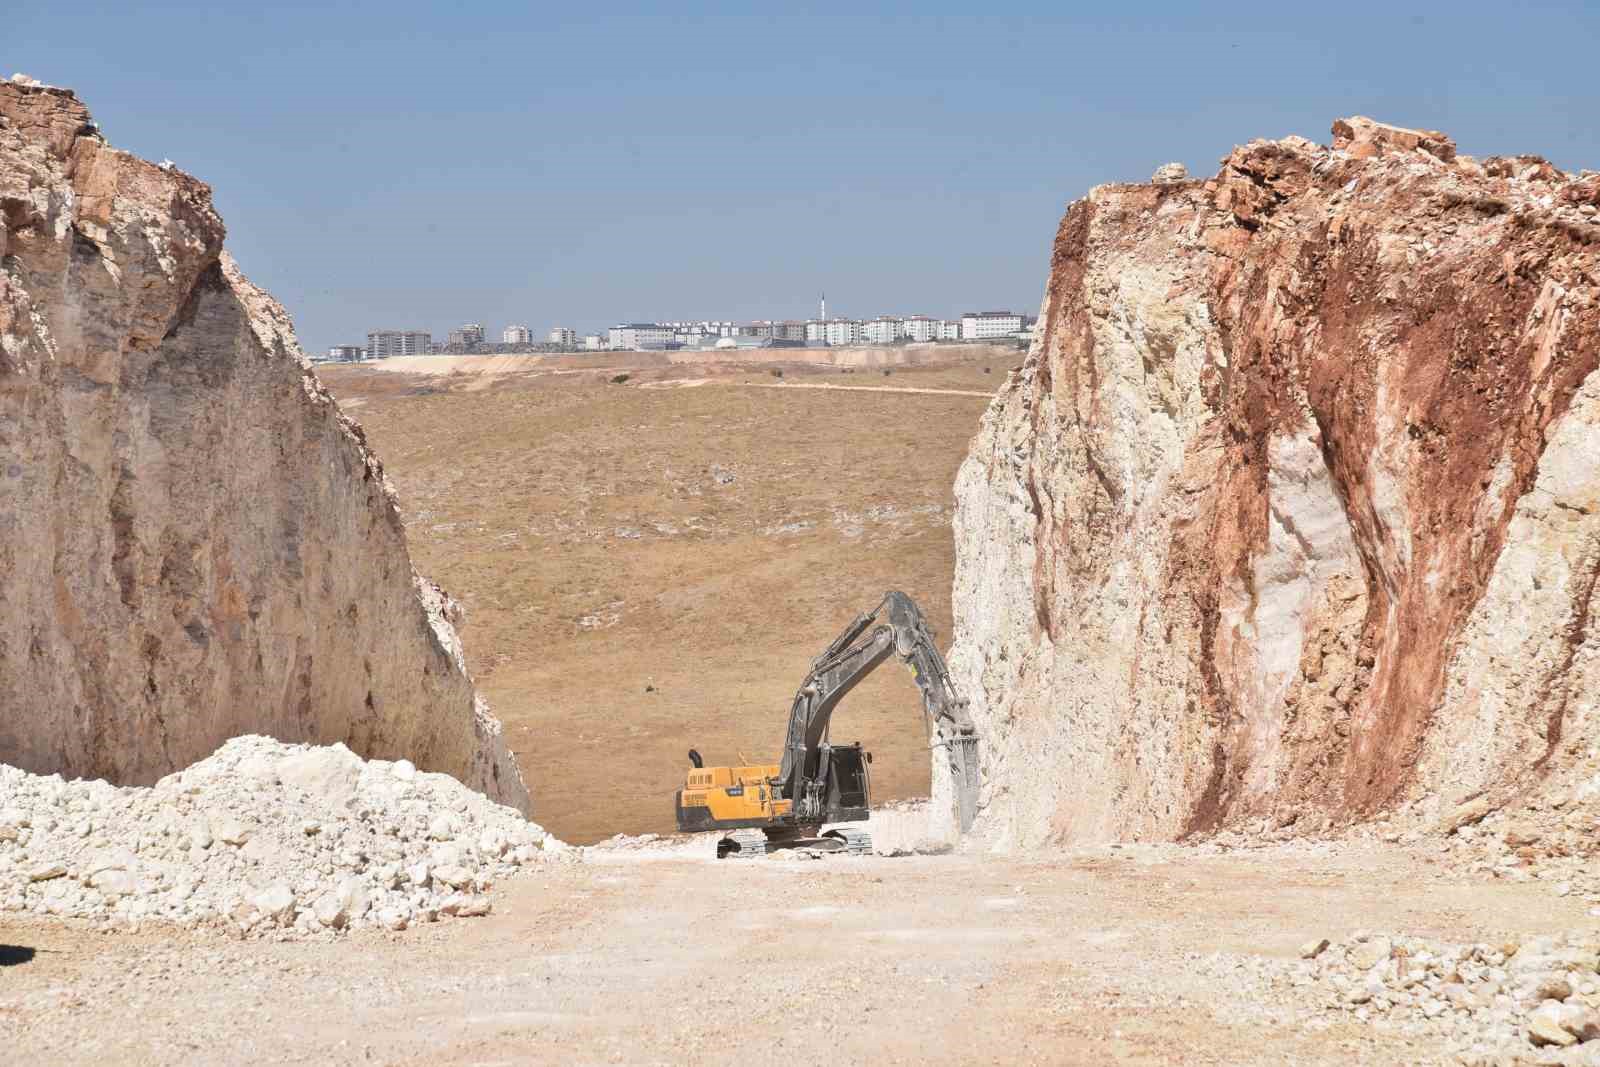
{"x":767,"y":807}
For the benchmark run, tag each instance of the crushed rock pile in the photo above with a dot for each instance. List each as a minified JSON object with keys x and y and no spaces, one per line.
{"x":1532,"y":1000}
{"x":1551,"y":839}
{"x":264,"y":838}
{"x":1549,"y":836}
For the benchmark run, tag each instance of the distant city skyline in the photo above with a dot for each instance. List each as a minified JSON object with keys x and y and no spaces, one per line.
{"x":403,"y":165}
{"x":987,"y":325}
{"x":541,"y":331}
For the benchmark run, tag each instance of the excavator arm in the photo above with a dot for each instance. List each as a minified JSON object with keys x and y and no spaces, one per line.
{"x":900,"y":630}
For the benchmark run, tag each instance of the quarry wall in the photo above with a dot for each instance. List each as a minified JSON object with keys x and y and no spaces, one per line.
{"x":195,"y":543}
{"x":1293,"y":513}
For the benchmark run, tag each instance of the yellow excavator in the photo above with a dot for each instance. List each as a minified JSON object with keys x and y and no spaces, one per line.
{"x":765,"y":807}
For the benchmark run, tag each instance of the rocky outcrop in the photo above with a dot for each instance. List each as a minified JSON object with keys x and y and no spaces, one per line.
{"x":195,"y":542}
{"x":1294,"y":511}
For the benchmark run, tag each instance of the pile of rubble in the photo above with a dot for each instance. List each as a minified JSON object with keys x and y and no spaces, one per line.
{"x":1549,"y":838}
{"x":1529,"y":1000}
{"x":266,"y":838}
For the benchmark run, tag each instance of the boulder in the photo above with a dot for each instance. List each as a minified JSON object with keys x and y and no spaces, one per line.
{"x":328,"y":771}
{"x":275,"y":903}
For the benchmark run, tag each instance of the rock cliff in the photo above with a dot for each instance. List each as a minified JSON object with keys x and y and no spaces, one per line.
{"x":1293,"y":513}
{"x":195,"y":543}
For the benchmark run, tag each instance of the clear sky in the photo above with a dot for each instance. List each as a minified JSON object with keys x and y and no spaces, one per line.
{"x":420,"y":165}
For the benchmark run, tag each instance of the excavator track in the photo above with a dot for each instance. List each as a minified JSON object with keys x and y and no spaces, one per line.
{"x":742,"y":845}
{"x":856,"y":842}
{"x":749,"y":844}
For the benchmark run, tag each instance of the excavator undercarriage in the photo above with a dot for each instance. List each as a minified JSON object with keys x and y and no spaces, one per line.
{"x":768,"y":807}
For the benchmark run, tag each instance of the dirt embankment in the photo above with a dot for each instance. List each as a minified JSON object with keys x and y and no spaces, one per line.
{"x":194,"y":542}
{"x":1294,"y":512}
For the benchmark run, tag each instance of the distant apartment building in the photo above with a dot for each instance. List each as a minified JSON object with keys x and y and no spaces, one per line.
{"x":593,"y":342}
{"x":563,"y":336}
{"x":789,"y":330}
{"x":881,"y":331}
{"x":990,"y":325}
{"x":470,"y":334}
{"x":842,"y":332}
{"x":346,"y":353}
{"x":516,"y":335}
{"x":816,"y":332}
{"x":384,"y":343}
{"x":919,"y":328}
{"x":638,"y":336}
{"x":949,"y":329}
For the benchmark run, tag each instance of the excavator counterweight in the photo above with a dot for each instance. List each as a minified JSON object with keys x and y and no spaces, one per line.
{"x":785,"y":805}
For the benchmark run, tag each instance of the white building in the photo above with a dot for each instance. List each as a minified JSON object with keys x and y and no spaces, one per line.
{"x":516,"y":335}
{"x":816,"y":331}
{"x":384,"y":343}
{"x":841,"y":332}
{"x":881,"y":331}
{"x":564,"y":336}
{"x":345,"y":353}
{"x":593,"y":342}
{"x":989,"y":325}
{"x":636,"y":336}
{"x":949,"y":329}
{"x":471,"y":333}
{"x":919,"y":328}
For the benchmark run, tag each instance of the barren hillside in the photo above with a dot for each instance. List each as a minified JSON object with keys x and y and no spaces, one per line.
{"x":651,"y":565}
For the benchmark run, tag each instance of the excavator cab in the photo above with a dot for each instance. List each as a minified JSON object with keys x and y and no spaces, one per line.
{"x":849,"y":796}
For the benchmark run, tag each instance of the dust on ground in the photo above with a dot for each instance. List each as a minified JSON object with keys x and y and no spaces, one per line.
{"x":1137,"y":954}
{"x":646,"y":569}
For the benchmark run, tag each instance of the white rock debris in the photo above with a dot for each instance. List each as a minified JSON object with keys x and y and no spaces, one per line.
{"x":1523,"y":1000}
{"x":263,"y":838}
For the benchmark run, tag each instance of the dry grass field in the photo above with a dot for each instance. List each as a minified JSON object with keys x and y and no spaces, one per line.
{"x":650,"y":565}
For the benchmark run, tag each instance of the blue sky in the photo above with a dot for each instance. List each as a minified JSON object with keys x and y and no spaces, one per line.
{"x":420,"y":165}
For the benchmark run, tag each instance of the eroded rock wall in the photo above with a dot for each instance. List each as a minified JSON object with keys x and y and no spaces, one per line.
{"x":195,"y":543}
{"x":1294,"y":511}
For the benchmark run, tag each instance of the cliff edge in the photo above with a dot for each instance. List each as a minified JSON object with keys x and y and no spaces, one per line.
{"x":1293,"y":512}
{"x":195,"y":542}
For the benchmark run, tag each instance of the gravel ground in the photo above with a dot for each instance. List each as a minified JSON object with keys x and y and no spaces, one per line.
{"x":646,"y":954}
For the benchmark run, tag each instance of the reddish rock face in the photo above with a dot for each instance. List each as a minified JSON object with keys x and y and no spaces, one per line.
{"x":195,"y":542}
{"x":1295,"y":510}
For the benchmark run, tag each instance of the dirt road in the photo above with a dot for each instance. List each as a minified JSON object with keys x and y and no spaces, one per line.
{"x":870,"y":388}
{"x":1131,"y":955}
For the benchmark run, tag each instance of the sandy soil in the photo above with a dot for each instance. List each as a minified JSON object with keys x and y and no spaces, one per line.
{"x":713,"y":360}
{"x":1137,"y":954}
{"x":645,"y":569}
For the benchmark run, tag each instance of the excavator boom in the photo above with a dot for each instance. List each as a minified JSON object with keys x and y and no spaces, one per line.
{"x":853,"y":655}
